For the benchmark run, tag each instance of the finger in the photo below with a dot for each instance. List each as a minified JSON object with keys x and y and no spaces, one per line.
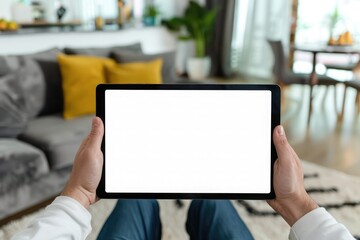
{"x":282,"y":146}
{"x":96,"y":134}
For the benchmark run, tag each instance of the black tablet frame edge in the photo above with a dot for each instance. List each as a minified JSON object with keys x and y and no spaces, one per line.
{"x":275,"y":121}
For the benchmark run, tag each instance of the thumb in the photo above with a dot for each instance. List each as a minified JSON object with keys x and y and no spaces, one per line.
{"x":96,"y":134}
{"x":282,"y":146}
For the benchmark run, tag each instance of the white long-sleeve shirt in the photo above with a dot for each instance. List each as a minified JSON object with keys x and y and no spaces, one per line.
{"x":64,"y":219}
{"x":67,"y":219}
{"x":319,"y":224}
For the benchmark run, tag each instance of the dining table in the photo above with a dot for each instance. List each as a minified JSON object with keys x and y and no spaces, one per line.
{"x":315,"y":49}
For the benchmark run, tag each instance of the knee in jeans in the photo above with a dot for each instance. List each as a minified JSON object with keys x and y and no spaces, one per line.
{"x":154,"y":204}
{"x":208,"y":205}
{"x":151,"y":203}
{"x":212,"y":203}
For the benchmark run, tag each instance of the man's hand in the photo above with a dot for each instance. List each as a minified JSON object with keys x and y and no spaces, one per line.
{"x":86,"y":172}
{"x":292,"y":201}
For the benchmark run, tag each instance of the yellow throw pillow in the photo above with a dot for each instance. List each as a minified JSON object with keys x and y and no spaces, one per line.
{"x":135,"y":73}
{"x":80,"y":76}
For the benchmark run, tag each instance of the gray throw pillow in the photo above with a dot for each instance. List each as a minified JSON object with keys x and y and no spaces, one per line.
{"x":8,"y":64}
{"x":47,"y":55}
{"x":4,"y":68}
{"x":168,"y":69}
{"x":33,"y":85}
{"x":31,"y":78}
{"x":12,"y":63}
{"x":13,"y":117}
{"x":103,"y":52}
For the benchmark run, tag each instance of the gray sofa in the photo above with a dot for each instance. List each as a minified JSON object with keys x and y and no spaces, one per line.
{"x":37,"y":146}
{"x":35,"y":166}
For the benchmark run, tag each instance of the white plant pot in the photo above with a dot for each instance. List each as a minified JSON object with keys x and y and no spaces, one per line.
{"x":185,"y":49}
{"x":198,"y":68}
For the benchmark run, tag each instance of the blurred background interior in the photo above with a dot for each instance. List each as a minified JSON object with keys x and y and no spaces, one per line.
{"x":310,"y":48}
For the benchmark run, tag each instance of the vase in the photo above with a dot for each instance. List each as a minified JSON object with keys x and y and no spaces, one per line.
{"x":185,"y":49}
{"x":198,"y":68}
{"x":60,"y":13}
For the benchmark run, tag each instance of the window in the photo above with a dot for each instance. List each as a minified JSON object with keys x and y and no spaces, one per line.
{"x":314,"y":19}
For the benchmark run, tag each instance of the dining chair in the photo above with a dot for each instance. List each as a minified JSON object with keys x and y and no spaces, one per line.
{"x":355,"y":84}
{"x":284,"y":76}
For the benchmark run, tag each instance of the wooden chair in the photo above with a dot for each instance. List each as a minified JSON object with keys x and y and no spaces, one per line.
{"x":285,"y":76}
{"x":351,"y":84}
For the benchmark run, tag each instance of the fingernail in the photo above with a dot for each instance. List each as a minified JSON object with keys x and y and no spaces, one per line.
{"x":281,"y":131}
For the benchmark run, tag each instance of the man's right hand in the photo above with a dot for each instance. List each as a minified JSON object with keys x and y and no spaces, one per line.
{"x":87,"y":169}
{"x":292,"y":201}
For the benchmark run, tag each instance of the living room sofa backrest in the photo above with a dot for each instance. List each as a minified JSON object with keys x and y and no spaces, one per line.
{"x":103,"y":52}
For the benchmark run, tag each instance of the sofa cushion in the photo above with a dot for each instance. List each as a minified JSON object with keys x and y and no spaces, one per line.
{"x":9,"y":64}
{"x":54,"y":99}
{"x":33,"y":81}
{"x":81,"y":75}
{"x":58,"y":138}
{"x":12,"y":107}
{"x":33,"y":85}
{"x":168,"y":71}
{"x":13,"y":62}
{"x":19,"y":164}
{"x":35,"y":192}
{"x":103,"y":52}
{"x":135,"y":73}
{"x":4,"y":68}
{"x":31,"y":77}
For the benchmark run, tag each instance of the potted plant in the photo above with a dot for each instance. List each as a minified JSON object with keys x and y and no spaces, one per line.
{"x":198,"y":23}
{"x":151,"y":15}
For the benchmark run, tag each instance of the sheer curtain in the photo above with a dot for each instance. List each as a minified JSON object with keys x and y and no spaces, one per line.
{"x":255,"y":22}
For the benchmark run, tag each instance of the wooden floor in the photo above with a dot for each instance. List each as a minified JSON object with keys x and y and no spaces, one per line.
{"x":326,"y":140}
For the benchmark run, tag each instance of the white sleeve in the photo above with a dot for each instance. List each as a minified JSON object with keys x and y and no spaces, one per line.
{"x":64,"y":218}
{"x":320,"y":225}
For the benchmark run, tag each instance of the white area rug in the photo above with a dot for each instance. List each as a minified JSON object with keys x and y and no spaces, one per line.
{"x":328,"y":187}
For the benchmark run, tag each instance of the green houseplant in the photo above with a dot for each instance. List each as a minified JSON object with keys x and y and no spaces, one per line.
{"x":151,"y":15}
{"x":196,"y":24}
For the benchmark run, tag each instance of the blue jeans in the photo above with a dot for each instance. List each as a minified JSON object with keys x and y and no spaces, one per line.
{"x":207,"y":219}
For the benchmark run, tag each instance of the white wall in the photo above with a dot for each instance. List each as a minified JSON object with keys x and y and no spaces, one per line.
{"x":5,"y":6}
{"x":87,"y":9}
{"x":51,"y":10}
{"x":170,"y":8}
{"x":152,"y":39}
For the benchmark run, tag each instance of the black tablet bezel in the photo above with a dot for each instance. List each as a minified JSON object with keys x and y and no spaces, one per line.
{"x":275,"y":120}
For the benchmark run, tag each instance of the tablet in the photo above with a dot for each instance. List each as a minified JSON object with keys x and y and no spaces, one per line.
{"x":188,"y":141}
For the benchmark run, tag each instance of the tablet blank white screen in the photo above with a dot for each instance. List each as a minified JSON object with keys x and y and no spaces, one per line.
{"x":187,"y":141}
